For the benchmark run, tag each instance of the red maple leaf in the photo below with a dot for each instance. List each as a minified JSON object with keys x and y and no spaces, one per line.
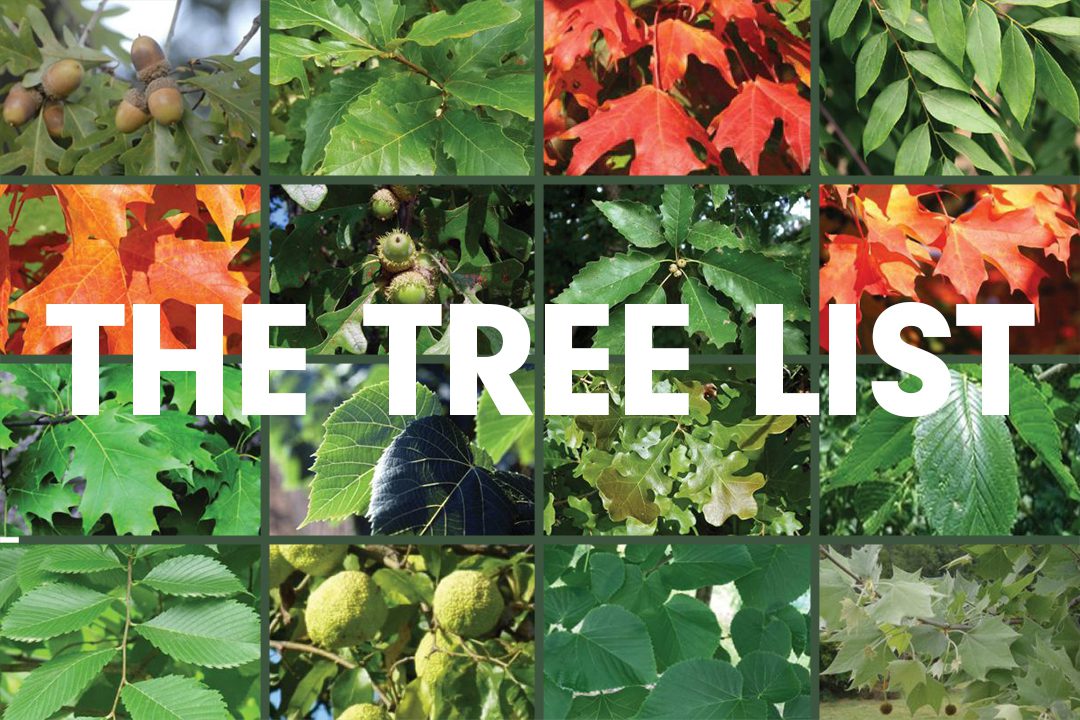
{"x":747,"y":123}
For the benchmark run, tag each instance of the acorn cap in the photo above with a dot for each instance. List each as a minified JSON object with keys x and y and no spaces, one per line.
{"x":155,"y":71}
{"x":136,"y":97}
{"x":158,"y":84}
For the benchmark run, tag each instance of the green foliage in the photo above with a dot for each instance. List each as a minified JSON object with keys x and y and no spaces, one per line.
{"x":150,"y":631}
{"x":704,"y":248}
{"x":950,"y":87}
{"x":991,"y":629}
{"x":956,"y":471}
{"x":120,"y":473}
{"x":384,"y":88}
{"x":218,"y":135}
{"x":478,"y":240}
{"x":718,"y":469}
{"x":620,"y":642}
{"x":490,"y":674}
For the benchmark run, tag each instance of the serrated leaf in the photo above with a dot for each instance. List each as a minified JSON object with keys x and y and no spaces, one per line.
{"x":357,"y":433}
{"x":966,"y":466}
{"x":882,"y":442}
{"x":708,"y":235}
{"x":211,"y":633}
{"x":610,"y":280}
{"x":609,"y":649}
{"x":173,"y":698}
{"x":636,"y":222}
{"x":427,"y":484}
{"x":470,"y":19}
{"x":1034,"y":422}
{"x":480,"y":147}
{"x":706,"y":315}
{"x":235,"y":509}
{"x":57,"y":683}
{"x":193,"y":576}
{"x":53,"y":609}
{"x":75,"y":559}
{"x":750,"y":278}
{"x":676,"y":212}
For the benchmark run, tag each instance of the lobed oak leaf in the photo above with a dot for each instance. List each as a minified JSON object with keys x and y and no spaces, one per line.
{"x":569,"y":27}
{"x":676,"y":41}
{"x":747,"y":123}
{"x":578,"y":81}
{"x":657,"y":124}
{"x":99,"y":211}
{"x":225,"y":204}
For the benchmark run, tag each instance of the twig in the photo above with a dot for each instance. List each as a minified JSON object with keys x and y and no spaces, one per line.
{"x":92,"y":22}
{"x":41,"y":421}
{"x":1052,"y":371}
{"x":844,"y":140}
{"x":172,"y":26}
{"x":303,"y":647}
{"x":124,"y":641}
{"x":247,"y":38}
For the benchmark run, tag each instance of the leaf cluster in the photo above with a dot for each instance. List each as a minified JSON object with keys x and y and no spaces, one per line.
{"x":957,"y":471}
{"x":990,"y":630}
{"x":676,"y":631}
{"x":146,"y":632}
{"x":485,"y":677}
{"x":380,"y":87}
{"x":950,"y":87}
{"x":324,"y":252}
{"x":697,"y":248}
{"x":116,"y":473}
{"x":720,"y":469}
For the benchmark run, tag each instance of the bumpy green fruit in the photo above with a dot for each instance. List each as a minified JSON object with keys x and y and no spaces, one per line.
{"x":346,"y":609}
{"x":384,"y":204}
{"x":62,"y":78}
{"x":425,"y":262}
{"x":317,"y":560}
{"x":21,"y":105}
{"x":396,"y":251}
{"x":365,"y":711}
{"x":132,"y":112}
{"x":280,"y":569}
{"x":165,"y":101}
{"x":431,"y":660}
{"x":468,"y":603}
{"x":410,"y":288}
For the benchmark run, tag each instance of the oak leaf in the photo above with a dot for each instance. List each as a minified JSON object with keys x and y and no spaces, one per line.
{"x":676,"y":41}
{"x":747,"y":123}
{"x":99,"y":211}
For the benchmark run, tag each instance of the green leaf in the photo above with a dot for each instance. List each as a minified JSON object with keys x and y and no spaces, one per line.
{"x":1017,"y":73}
{"x":57,"y":683}
{"x":173,"y":697}
{"x":19,"y":51}
{"x":610,"y":280}
{"x":53,"y":609}
{"x":966,"y":466}
{"x":884,"y":114}
{"x":973,"y":151}
{"x":913,"y":157}
{"x":480,"y":147}
{"x":750,"y":278}
{"x":77,"y":559}
{"x":703,"y":688}
{"x":986,"y":647}
{"x":608,"y":706}
{"x":682,"y":628}
{"x":233,"y":88}
{"x":984,"y":45}
{"x":708,"y":235}
{"x":470,"y":19}
{"x":504,"y":90}
{"x":636,"y":222}
{"x":960,"y":110}
{"x":769,"y":677}
{"x":235,"y":510}
{"x":946,"y":19}
{"x":496,"y":433}
{"x":937,"y":69}
{"x":882,"y":442}
{"x":384,"y":19}
{"x":781,"y":575}
{"x":610,"y":649}
{"x":1055,"y":85}
{"x":327,"y":109}
{"x":391,"y":130}
{"x":357,"y":433}
{"x":1062,"y":26}
{"x":695,"y":566}
{"x":753,"y":630}
{"x":1034,"y":422}
{"x":341,"y":22}
{"x":676,"y":212}
{"x":193,"y":576}
{"x":840,"y":18}
{"x":869,"y":61}
{"x":706,"y":315}
{"x":607,"y":573}
{"x":211,"y":633}
{"x":566,"y":605}
{"x":613,"y":335}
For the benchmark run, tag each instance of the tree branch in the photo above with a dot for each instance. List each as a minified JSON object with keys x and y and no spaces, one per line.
{"x":250,"y":34}
{"x":92,"y":22}
{"x":845,"y":142}
{"x":172,"y":26}
{"x":280,"y":645}
{"x":1052,"y":371}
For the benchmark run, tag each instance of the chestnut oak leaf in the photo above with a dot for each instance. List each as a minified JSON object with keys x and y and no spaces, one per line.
{"x":746,"y":124}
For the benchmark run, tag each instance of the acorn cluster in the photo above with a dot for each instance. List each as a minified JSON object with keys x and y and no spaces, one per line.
{"x":161,"y":100}
{"x":413,"y":274}
{"x":59,"y":80}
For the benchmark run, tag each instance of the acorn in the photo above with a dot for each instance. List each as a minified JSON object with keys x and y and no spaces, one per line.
{"x":54,"y":119}
{"x":681,"y":262}
{"x":425,"y":263}
{"x":384,"y":204}
{"x":396,"y":251}
{"x":21,"y":105}
{"x":149,"y":59}
{"x":165,"y":101}
{"x":950,"y":709}
{"x":62,"y":78}
{"x":885,"y":708}
{"x":132,"y":112}
{"x":410,"y":288}
{"x":404,"y":192}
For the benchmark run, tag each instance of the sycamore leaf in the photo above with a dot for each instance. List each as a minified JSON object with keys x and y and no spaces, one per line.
{"x":748,"y":121}
{"x":986,"y":646}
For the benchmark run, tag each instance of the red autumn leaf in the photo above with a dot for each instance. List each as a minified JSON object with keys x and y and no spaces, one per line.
{"x":657,"y":124}
{"x":569,"y":27}
{"x":676,"y":41}
{"x":747,"y":123}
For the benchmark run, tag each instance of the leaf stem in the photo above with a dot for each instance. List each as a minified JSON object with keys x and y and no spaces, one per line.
{"x":124,"y":640}
{"x":416,"y":69}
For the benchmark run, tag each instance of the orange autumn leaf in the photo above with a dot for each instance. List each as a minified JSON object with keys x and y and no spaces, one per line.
{"x":99,"y":211}
{"x":746,"y":124}
{"x":225,"y":203}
